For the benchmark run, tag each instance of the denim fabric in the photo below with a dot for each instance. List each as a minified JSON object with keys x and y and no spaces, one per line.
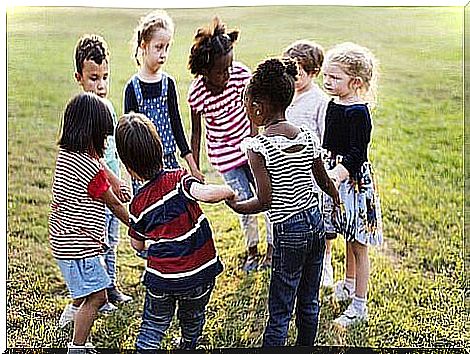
{"x":159,"y":309}
{"x":112,"y":234}
{"x":299,"y":246}
{"x":84,"y":276}
{"x":241,"y":180}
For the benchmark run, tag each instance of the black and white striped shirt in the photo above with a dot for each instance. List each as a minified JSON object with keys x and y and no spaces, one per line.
{"x":76,"y":221}
{"x":291,"y":172}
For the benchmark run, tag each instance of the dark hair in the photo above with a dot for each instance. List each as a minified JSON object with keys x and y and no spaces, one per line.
{"x":86,"y":123}
{"x":274,"y":81}
{"x":138,"y":145}
{"x":210,"y":42}
{"x":90,"y":47}
{"x":308,"y":54}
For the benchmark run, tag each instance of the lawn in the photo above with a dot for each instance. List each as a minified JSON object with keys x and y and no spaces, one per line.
{"x":417,"y":285}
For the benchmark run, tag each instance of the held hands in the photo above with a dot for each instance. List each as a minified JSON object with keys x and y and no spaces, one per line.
{"x":198,"y":174}
{"x":124,"y":192}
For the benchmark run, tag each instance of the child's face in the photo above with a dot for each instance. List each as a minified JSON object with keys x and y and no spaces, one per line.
{"x":336,"y":82}
{"x":155,"y":52}
{"x":218,"y":76}
{"x":94,"y":77}
{"x":304,"y":80}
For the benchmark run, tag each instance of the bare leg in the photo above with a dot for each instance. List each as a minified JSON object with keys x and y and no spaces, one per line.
{"x":86,"y":316}
{"x":350,"y":261}
{"x":362,"y":268}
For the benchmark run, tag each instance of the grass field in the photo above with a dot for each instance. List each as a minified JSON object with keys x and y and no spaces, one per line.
{"x":417,"y":285}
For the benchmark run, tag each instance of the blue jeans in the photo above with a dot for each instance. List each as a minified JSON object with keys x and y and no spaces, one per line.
{"x":241,"y":180}
{"x":112,"y":228}
{"x":159,"y":309}
{"x":299,"y":246}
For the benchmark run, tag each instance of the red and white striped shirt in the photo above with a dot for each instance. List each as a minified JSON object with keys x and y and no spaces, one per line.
{"x":226,"y":120}
{"x":77,"y":218}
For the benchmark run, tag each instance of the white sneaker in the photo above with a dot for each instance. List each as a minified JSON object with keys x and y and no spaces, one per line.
{"x":342,"y":293}
{"x":351,"y":316}
{"x":327,"y":276}
{"x":67,"y":316}
{"x":107,"y":308}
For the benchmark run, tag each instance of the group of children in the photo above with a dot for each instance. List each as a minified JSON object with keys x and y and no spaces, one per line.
{"x":303,"y":134}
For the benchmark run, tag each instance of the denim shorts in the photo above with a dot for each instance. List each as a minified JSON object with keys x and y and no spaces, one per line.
{"x":84,"y":276}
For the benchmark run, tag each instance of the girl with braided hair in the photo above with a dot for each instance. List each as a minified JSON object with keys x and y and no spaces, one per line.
{"x":350,"y":73}
{"x":283,"y":159}
{"x":216,"y":95}
{"x":152,"y":91}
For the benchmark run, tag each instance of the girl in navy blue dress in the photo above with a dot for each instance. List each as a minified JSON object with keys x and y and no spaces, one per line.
{"x":350,"y":73}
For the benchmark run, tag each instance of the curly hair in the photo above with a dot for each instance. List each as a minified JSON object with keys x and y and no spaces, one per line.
{"x":148,"y":25}
{"x":357,"y":61}
{"x":90,"y":47}
{"x":210,"y":42}
{"x":307,"y":53}
{"x":138,"y":145}
{"x":274,"y":81}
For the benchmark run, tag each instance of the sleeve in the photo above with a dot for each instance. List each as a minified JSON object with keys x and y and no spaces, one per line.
{"x":185,"y":184}
{"x":135,"y":235}
{"x":321,"y":113}
{"x":98,"y":184}
{"x":132,"y":232}
{"x":130,"y":101}
{"x":195,"y":101}
{"x":254,"y":144}
{"x":359,"y":140}
{"x":175,"y":119}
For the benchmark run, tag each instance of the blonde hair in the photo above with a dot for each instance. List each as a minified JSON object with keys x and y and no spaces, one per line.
{"x":357,"y":61}
{"x":307,"y":53}
{"x":148,"y":25}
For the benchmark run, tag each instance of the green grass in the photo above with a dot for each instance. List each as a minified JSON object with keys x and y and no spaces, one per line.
{"x":417,"y":285}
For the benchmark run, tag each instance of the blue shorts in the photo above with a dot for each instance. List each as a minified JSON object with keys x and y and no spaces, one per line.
{"x":84,"y":276}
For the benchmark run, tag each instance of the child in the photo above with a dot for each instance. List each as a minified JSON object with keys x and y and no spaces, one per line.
{"x":216,"y":95}
{"x":92,"y":74}
{"x":308,"y":108}
{"x":350,"y":73}
{"x":282,"y":160}
{"x":182,"y":260}
{"x":153,"y":92}
{"x":80,"y":191}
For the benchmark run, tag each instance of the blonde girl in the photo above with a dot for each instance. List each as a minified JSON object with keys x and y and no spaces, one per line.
{"x":152,"y":91}
{"x":350,"y":74}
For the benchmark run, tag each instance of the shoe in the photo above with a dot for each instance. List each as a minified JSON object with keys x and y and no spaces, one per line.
{"x":342,"y":293}
{"x":251,"y":263}
{"x":351,"y":316}
{"x":88,"y":348}
{"x":117,"y":297}
{"x":107,"y":308}
{"x":67,"y":315}
{"x":327,"y":276}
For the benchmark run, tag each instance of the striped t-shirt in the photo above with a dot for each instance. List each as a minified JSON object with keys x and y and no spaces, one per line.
{"x":290,"y":172}
{"x":77,"y":217}
{"x":226,"y":120}
{"x":181,"y":252}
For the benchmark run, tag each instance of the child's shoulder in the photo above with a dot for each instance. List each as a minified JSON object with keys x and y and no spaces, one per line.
{"x":240,"y":69}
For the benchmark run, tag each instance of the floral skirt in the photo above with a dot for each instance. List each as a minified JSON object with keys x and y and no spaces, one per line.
{"x":360,"y":216}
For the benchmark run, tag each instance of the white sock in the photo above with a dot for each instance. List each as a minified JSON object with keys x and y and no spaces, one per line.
{"x":75,"y":308}
{"x":359,"y":303}
{"x":350,"y":284}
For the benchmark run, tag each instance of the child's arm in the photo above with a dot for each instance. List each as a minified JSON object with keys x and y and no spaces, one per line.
{"x":211,"y":193}
{"x":262,"y":200}
{"x":138,"y":245}
{"x":324,"y":181}
{"x":338,"y":174}
{"x":116,"y":207}
{"x":120,"y":188}
{"x":195,"y":135}
{"x":193,"y":167}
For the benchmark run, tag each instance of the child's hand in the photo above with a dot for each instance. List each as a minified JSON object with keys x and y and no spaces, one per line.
{"x":233,"y":196}
{"x":124,"y":193}
{"x":198,"y":174}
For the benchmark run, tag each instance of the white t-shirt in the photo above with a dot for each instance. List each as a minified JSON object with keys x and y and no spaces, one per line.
{"x":309,"y":109}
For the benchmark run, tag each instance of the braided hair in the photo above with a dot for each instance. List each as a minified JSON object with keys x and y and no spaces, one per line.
{"x":148,"y":25}
{"x":274,"y":81}
{"x":210,"y":42}
{"x":90,"y":47}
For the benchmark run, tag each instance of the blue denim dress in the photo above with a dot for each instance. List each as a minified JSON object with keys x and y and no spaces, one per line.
{"x":156,"y":109}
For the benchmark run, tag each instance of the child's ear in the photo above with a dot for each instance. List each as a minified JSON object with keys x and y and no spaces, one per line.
{"x":358,"y":82}
{"x":78,"y":77}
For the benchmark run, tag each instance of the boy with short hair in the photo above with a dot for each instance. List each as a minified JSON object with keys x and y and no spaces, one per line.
{"x":92,"y":74}
{"x":182,"y":262}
